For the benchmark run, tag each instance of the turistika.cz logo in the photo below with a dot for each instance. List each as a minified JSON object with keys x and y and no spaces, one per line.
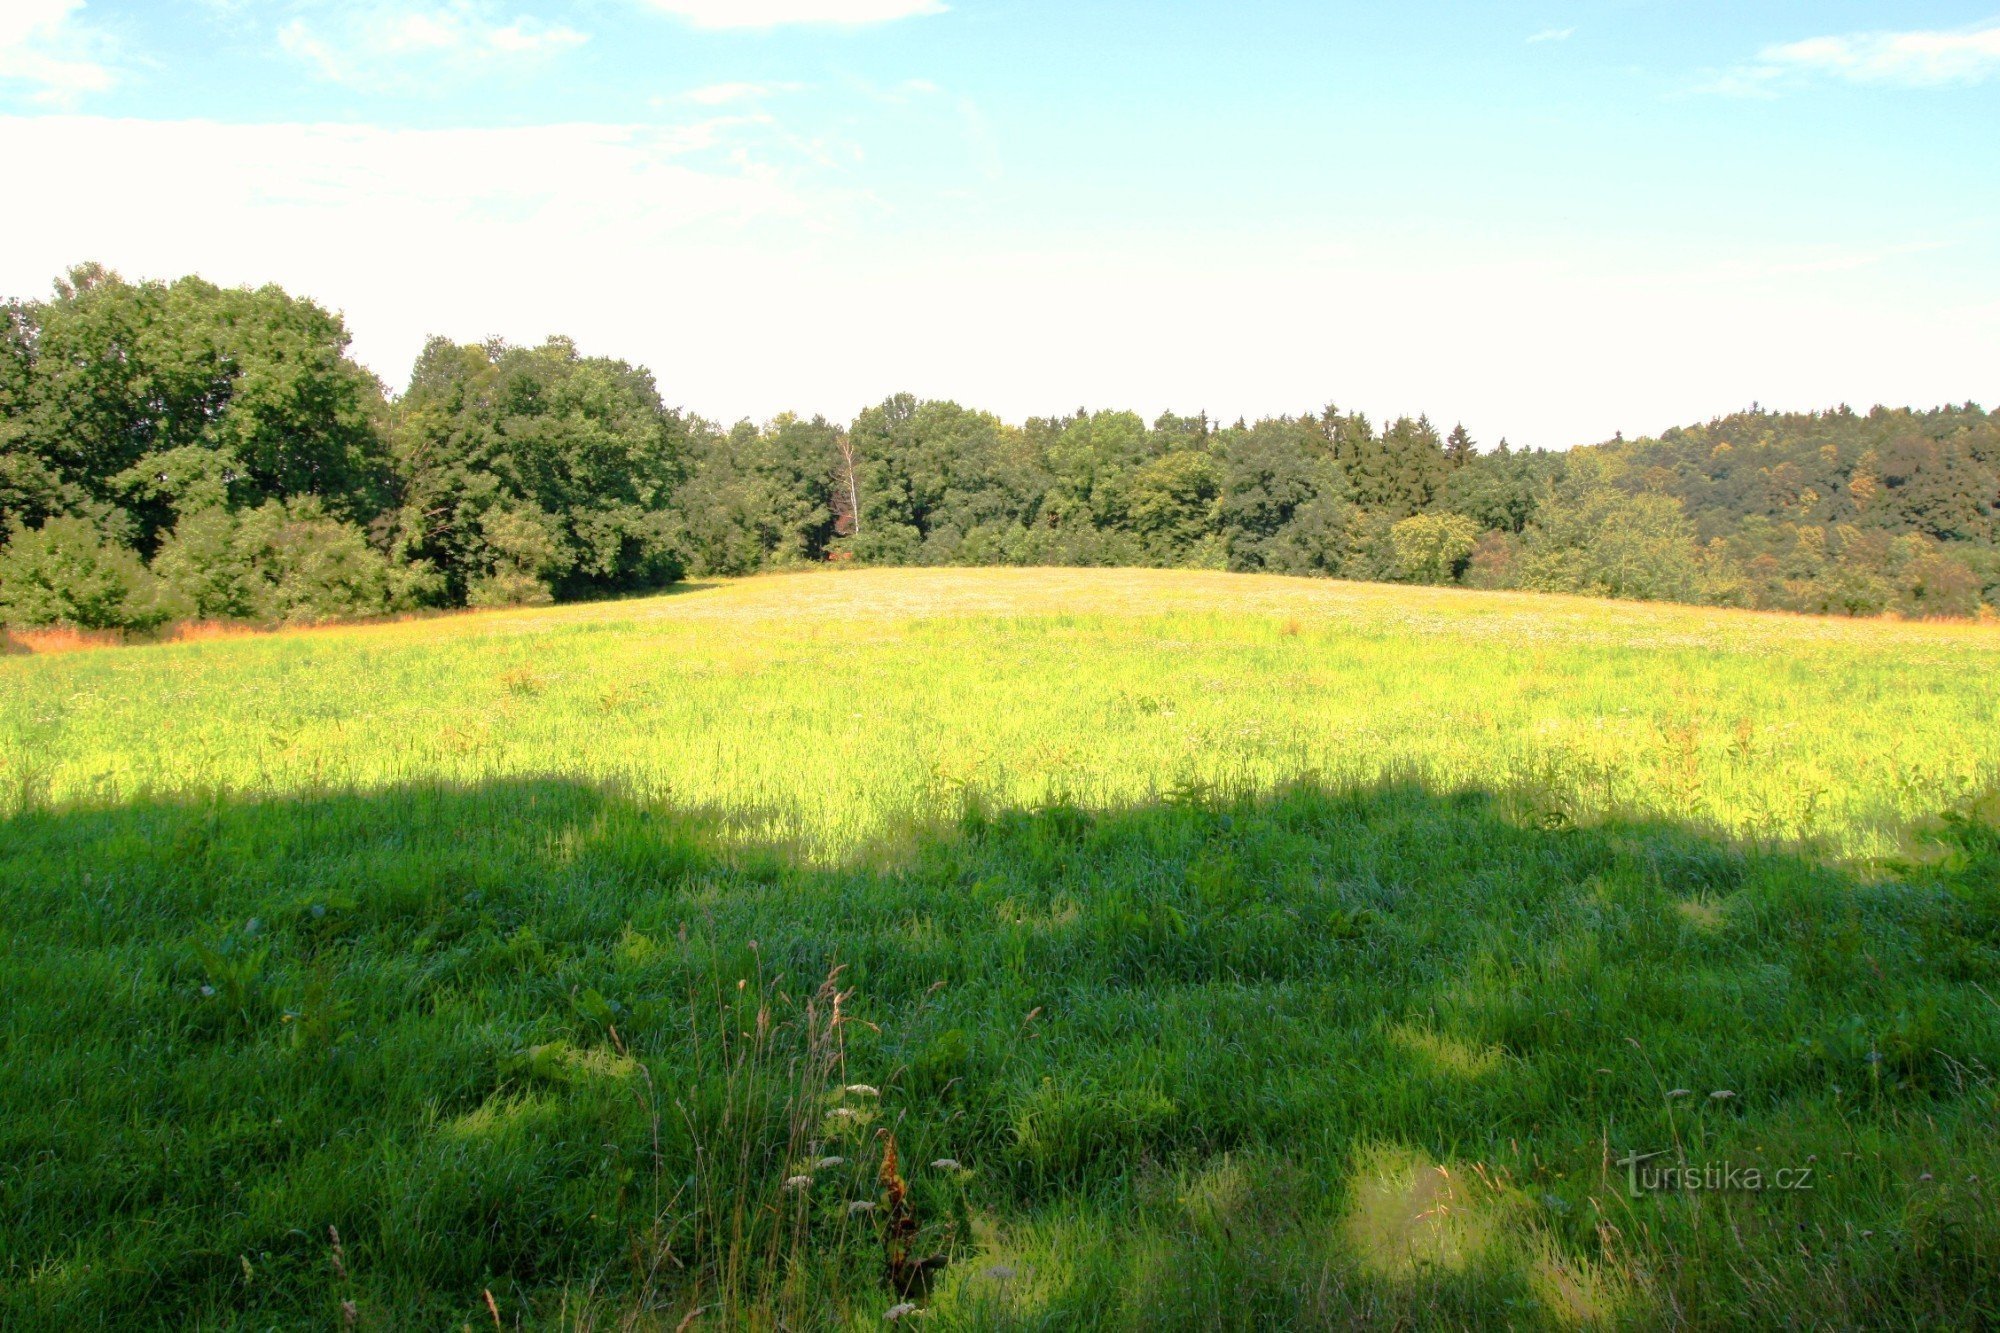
{"x":1644,"y":1176}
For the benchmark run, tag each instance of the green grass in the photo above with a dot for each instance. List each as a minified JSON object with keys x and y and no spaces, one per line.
{"x":1265,"y":954}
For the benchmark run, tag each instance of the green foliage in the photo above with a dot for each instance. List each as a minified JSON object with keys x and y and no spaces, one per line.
{"x":1433,"y":548}
{"x":158,"y":399}
{"x":537,"y":472}
{"x":757,"y":499}
{"x":287,"y":563}
{"x":67,"y":572}
{"x":1171,"y":502}
{"x":928,"y":473}
{"x":1590,"y":536}
{"x":1499,"y":491}
{"x":1271,"y":472}
{"x":511,"y":476}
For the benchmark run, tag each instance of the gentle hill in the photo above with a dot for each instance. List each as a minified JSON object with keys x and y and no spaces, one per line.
{"x":1222,"y":950}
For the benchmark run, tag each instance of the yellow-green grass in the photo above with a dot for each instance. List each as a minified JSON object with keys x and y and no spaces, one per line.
{"x":837,"y":705}
{"x":1222,"y":951}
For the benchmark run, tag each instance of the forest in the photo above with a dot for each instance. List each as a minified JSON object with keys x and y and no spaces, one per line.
{"x":182,"y":451}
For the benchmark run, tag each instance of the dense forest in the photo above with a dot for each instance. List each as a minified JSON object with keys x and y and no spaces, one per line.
{"x":181,"y":450}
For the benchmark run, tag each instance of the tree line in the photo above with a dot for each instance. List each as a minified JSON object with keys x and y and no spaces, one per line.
{"x":182,"y":450}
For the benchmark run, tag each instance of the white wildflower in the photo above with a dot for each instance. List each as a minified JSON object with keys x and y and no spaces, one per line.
{"x":799,"y":1183}
{"x":861,"y":1090}
{"x":1679,"y":1092}
{"x":828,"y":1163}
{"x":946,"y":1164}
{"x":1721,"y":1096}
{"x":895,"y":1312}
{"x":860,"y":1206}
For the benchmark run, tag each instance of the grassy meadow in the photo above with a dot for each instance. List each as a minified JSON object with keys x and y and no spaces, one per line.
{"x":1219,"y":951}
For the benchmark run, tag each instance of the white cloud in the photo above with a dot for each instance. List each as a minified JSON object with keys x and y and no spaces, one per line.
{"x":750,"y":289}
{"x":42,"y":45}
{"x":1921,"y":58}
{"x":383,"y":45}
{"x":1917,"y":58}
{"x":772,"y":13}
{"x":1552,"y":35}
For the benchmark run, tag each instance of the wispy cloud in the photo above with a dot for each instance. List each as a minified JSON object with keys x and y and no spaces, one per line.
{"x":1552,"y":35}
{"x":773,"y":13}
{"x":44,"y":46}
{"x":721,"y":94}
{"x":378,"y":45}
{"x":1919,"y":58}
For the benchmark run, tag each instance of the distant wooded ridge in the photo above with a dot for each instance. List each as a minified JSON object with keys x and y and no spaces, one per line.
{"x":174,"y":450}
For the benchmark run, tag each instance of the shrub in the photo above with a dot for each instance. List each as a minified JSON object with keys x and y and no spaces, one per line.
{"x":290,"y":563}
{"x":203,"y":561}
{"x":508,"y":588}
{"x":67,"y":572}
{"x":525,"y":553}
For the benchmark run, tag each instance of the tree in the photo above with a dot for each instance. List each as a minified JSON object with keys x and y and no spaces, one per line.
{"x":1270,"y":473}
{"x":1171,"y":503}
{"x":756,"y":499}
{"x":1433,"y":548}
{"x":1591,"y":537}
{"x":1327,"y":535}
{"x":134,"y":403}
{"x":530,"y":473}
{"x":849,"y":487}
{"x":1498,"y":491}
{"x":938,"y":471}
{"x":1459,"y":448}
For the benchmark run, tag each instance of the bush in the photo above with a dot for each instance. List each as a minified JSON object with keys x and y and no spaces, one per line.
{"x":508,"y":588}
{"x":67,"y":572}
{"x":525,"y":553}
{"x":201,"y":561}
{"x":289,"y":563}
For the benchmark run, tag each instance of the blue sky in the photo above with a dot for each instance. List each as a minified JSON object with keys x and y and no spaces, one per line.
{"x":1551,"y":220}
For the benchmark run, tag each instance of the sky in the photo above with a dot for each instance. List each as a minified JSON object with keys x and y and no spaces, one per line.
{"x":1552,"y":220}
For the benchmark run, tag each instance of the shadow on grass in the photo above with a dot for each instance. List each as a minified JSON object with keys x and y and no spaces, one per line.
{"x":1305,"y":1058}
